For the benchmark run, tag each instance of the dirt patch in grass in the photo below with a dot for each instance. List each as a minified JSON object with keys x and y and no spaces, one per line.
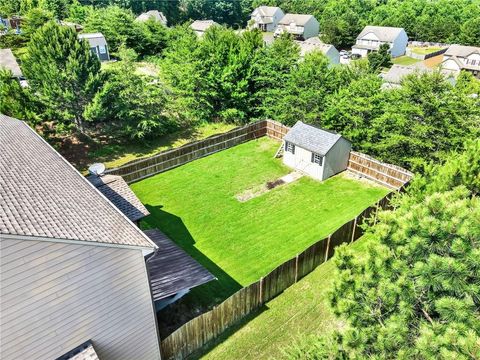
{"x":269,"y":185}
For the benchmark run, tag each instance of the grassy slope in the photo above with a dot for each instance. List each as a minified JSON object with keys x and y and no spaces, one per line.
{"x":404,"y":60}
{"x":425,"y":50}
{"x":302,"y":310}
{"x":239,"y":242}
{"x":114,"y":155}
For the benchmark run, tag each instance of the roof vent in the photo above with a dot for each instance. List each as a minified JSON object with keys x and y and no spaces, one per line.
{"x":96,"y":169}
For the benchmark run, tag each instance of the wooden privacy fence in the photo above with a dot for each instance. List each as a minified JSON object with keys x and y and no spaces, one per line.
{"x":196,"y":333}
{"x":166,"y":160}
{"x":389,"y":175}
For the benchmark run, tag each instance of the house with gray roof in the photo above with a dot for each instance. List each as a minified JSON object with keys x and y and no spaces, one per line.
{"x":266,"y":18}
{"x":397,"y":73}
{"x":372,"y":37}
{"x":9,"y":62}
{"x":201,"y":26}
{"x":315,"y":44}
{"x":300,"y":26}
{"x":98,"y":45}
{"x":460,"y":57}
{"x":316,"y":152}
{"x":152,"y":14}
{"x":75,"y":269}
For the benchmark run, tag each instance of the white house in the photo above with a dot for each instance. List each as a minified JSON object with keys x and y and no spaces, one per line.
{"x":200,"y":26}
{"x":315,"y":44}
{"x":266,"y":18}
{"x":152,"y":14}
{"x":459,"y":57}
{"x":78,"y":277}
{"x":315,"y":152}
{"x":300,"y":26}
{"x":372,"y":37}
{"x":98,"y":45}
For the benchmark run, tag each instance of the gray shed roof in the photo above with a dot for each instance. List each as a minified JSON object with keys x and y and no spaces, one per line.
{"x":8,"y":61}
{"x":311,"y":138}
{"x":461,"y":50}
{"x":384,"y":33}
{"x":42,"y":195}
{"x":298,"y":19}
{"x":119,"y":193}
{"x":171,"y":269}
{"x":313,"y":44}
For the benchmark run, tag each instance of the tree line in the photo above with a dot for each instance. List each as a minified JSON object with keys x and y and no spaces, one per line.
{"x":447,"y":21}
{"x":234,"y":77}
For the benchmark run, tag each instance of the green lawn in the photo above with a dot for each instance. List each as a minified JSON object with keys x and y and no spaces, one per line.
{"x":300,"y":311}
{"x":195,"y":206}
{"x":425,"y":50}
{"x":404,"y":60}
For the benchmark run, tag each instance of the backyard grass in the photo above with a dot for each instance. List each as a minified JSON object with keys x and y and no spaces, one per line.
{"x":404,"y":60}
{"x":425,"y":50}
{"x":300,"y":311}
{"x":195,"y":206}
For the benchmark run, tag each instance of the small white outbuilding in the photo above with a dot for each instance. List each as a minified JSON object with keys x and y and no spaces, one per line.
{"x":315,"y":152}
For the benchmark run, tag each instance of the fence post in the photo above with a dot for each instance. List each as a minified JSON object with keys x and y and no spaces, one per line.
{"x":354,"y":228}
{"x":376,"y":211}
{"x":296,"y":268}
{"x":328,"y":245}
{"x":261,"y":291}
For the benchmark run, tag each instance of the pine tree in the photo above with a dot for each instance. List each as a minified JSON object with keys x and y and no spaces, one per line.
{"x":63,"y":72}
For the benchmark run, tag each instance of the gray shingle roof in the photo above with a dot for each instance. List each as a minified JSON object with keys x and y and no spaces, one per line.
{"x":397,"y":72}
{"x":202,"y":25}
{"x":383,"y":33}
{"x":461,"y":50}
{"x":298,"y":19}
{"x":155,"y":14}
{"x":8,"y":61}
{"x":311,"y":138}
{"x":268,"y":11}
{"x":313,"y":44}
{"x":42,"y":195}
{"x":85,"y":351}
{"x":171,"y":269}
{"x":119,"y":193}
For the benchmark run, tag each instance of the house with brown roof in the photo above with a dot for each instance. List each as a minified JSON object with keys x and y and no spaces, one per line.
{"x":77,"y":275}
{"x":372,"y":37}
{"x":266,"y":18}
{"x":300,"y":26}
{"x":460,"y":57}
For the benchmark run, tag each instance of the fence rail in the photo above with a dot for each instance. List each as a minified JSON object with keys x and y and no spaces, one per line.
{"x":389,"y":175}
{"x":196,"y":333}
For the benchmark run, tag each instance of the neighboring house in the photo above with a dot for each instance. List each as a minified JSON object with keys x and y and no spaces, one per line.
{"x":372,"y":37}
{"x":315,"y":44}
{"x":9,"y":62}
{"x":266,"y":18}
{"x":395,"y":75}
{"x":98,"y":45}
{"x":78,"y":277}
{"x":153,"y":14}
{"x":315,"y":152}
{"x":459,"y":57}
{"x":300,"y":26}
{"x":200,"y":26}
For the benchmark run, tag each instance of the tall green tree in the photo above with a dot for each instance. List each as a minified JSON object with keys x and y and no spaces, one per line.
{"x":16,"y":101}
{"x":416,"y":294}
{"x":130,"y":105}
{"x":381,"y":58}
{"x":63,"y":73}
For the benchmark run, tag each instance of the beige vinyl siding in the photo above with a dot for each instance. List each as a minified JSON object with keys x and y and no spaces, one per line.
{"x":55,"y":296}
